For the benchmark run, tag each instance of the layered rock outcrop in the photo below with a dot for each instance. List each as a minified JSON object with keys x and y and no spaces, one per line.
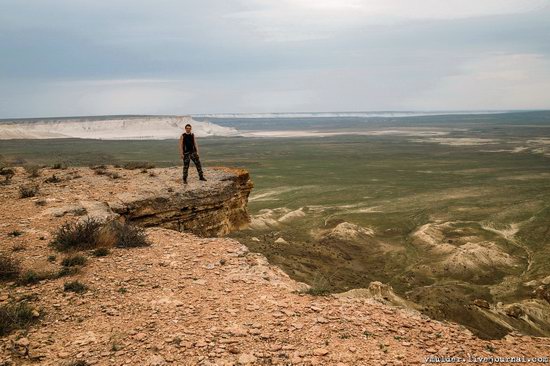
{"x":154,"y":197}
{"x":212,"y":209}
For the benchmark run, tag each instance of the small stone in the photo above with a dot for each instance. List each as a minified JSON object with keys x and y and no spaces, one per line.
{"x":320,"y":352}
{"x":201,"y":344}
{"x":275,"y":348}
{"x":246,"y":359}
{"x":237,"y":331}
{"x":156,"y":360}
{"x":481,"y":303}
{"x":23,"y":342}
{"x":140,"y":336}
{"x":36,"y":354}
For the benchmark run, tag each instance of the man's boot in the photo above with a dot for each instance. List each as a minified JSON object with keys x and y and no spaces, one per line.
{"x":202,"y":178}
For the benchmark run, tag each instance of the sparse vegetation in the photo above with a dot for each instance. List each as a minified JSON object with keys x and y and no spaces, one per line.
{"x":98,"y":167}
{"x":7,"y":173}
{"x":15,"y":316}
{"x":30,"y":277}
{"x":317,"y":291}
{"x":28,"y":191}
{"x":9,"y":268}
{"x":74,"y":260}
{"x":383,"y":347}
{"x":101,"y":252}
{"x":319,"y":287}
{"x":15,"y":233}
{"x":75,"y":286}
{"x":152,"y":174}
{"x":128,"y":235}
{"x":52,"y":179}
{"x":66,"y":271}
{"x":79,"y":235}
{"x":132,"y":165}
{"x":102,"y":170}
{"x":59,"y":166}
{"x":52,"y":258}
{"x":92,"y":234}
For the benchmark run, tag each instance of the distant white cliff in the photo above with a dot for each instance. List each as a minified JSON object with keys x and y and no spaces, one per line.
{"x":110,"y":128}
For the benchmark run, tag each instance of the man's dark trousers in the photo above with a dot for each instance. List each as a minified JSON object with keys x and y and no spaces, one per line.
{"x":186,"y":158}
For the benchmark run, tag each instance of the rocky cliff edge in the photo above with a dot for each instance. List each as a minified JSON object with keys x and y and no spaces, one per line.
{"x":191,"y":298}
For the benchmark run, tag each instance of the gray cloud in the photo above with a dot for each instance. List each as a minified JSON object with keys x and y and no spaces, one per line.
{"x":62,"y":57}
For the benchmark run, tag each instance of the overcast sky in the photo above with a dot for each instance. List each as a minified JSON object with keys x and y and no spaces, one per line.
{"x":95,"y":57}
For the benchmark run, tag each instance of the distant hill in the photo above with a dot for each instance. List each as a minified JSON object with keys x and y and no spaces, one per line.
{"x":109,"y":128}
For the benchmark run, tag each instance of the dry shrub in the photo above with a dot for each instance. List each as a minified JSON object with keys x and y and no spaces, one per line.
{"x":80,"y":235}
{"x":7,"y":173}
{"x":92,"y":234}
{"x":28,"y":191}
{"x":138,"y":165}
{"x":128,"y":235}
{"x":9,"y":267}
{"x":15,"y":316}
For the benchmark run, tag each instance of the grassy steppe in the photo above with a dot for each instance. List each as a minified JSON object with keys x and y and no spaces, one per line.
{"x":444,"y":222}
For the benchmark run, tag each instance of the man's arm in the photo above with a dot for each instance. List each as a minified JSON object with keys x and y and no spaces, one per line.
{"x":181,"y":146}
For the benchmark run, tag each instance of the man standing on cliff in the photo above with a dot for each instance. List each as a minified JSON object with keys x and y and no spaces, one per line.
{"x":189,"y":150}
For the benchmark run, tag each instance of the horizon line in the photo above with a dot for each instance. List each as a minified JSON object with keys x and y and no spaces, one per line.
{"x":450,"y":111}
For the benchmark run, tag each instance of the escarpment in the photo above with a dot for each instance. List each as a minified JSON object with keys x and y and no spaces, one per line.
{"x":152,"y":197}
{"x":214,"y":208}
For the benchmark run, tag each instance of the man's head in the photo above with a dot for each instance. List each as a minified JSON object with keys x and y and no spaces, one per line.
{"x":188,"y":128}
